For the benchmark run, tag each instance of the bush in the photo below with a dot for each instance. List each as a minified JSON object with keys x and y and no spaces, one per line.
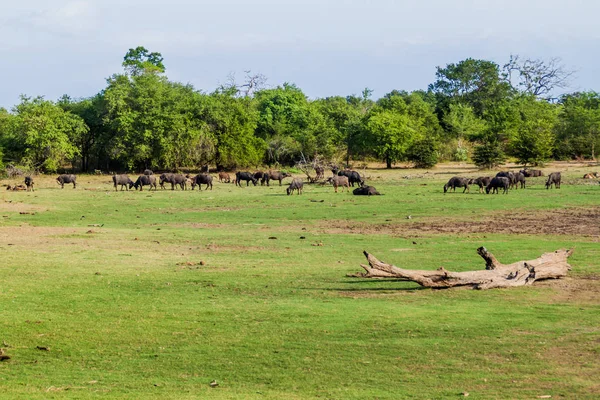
{"x":424,"y":153}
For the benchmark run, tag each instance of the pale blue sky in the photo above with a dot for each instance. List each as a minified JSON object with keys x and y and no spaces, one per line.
{"x":327,"y":47}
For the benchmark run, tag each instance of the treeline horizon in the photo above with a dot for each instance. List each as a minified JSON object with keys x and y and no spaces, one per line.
{"x":475,"y":111}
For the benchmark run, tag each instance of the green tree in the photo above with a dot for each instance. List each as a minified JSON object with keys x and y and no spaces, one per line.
{"x":579,"y":126}
{"x":533,"y":141}
{"x":390,"y":134}
{"x":43,"y":134}
{"x":139,"y":61}
{"x":423,"y":152}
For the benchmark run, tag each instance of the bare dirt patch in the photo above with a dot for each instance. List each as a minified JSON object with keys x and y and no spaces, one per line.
{"x":572,"y":221}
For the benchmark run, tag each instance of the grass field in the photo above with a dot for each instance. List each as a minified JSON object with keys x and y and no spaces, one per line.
{"x":156,"y":294}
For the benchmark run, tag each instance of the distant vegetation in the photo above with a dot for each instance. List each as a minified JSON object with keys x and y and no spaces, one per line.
{"x":476,"y":111}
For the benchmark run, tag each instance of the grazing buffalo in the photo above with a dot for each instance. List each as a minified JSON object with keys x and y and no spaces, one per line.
{"x":498,"y":182}
{"x":529,"y":173}
{"x":224,"y":177}
{"x":66,"y":178}
{"x":122,"y":180}
{"x":296,"y":184}
{"x":455,"y":182}
{"x":338,"y":181}
{"x":353,"y":176}
{"x":366,"y":191}
{"x":202,"y":179}
{"x":274,"y":176}
{"x":144,"y":180}
{"x":482,"y":182}
{"x":553,"y":178}
{"x":29,"y":183}
{"x":173,"y":179}
{"x":148,"y":172}
{"x":245,"y":176}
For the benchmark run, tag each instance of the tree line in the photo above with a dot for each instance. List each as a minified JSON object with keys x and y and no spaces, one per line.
{"x":475,"y":110}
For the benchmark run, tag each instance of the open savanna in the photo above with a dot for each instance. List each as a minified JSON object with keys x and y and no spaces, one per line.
{"x":158,"y":294}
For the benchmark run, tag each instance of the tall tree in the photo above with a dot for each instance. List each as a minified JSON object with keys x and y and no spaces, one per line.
{"x":537,"y":77}
{"x":139,"y":60}
{"x":579,"y":127}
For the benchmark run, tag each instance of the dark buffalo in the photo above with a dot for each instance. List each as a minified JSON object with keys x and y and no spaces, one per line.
{"x":498,"y":182}
{"x":353,"y":176}
{"x":274,"y":176}
{"x":365,"y":191}
{"x":122,"y":180}
{"x":529,"y":173}
{"x":338,"y":181}
{"x":482,"y":182}
{"x":553,"y":179}
{"x":455,"y":182}
{"x":296,"y":184}
{"x":144,"y":180}
{"x":519,"y":180}
{"x":148,"y":172}
{"x":202,"y":179}
{"x":507,"y":174}
{"x":260,"y":176}
{"x":224,"y":177}
{"x":67,"y":178}
{"x":173,"y":179}
{"x":29,"y":183}
{"x":245,"y":176}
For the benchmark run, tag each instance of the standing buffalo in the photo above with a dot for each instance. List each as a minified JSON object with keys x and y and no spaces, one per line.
{"x":296,"y":184}
{"x":122,"y":180}
{"x":274,"y":176}
{"x":455,"y":182}
{"x":366,"y":191}
{"x":353,"y":176}
{"x":553,"y":178}
{"x":259,"y":176}
{"x":338,"y":181}
{"x":66,"y":178}
{"x":519,"y":180}
{"x":29,"y":183}
{"x":202,"y":179}
{"x":148,"y":172}
{"x":498,"y":182}
{"x":144,"y":180}
{"x":173,"y":179}
{"x":245,"y":176}
{"x":482,"y":182}
{"x":509,"y":175}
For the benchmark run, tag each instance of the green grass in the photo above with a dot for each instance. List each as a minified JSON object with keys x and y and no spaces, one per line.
{"x":128,"y":311}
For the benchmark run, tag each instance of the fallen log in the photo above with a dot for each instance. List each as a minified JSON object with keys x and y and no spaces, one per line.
{"x":496,"y":275}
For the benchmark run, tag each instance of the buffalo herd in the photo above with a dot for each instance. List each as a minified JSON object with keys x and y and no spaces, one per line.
{"x":504,"y":180}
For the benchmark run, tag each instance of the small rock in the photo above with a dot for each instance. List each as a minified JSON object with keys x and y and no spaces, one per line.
{"x":409,"y":217}
{"x":202,"y":263}
{"x":213,"y":384}
{"x":43,"y":348}
{"x":302,"y":237}
{"x":272,"y":237}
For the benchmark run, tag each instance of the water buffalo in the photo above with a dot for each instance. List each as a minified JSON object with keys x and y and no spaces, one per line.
{"x":202,"y":179}
{"x":122,"y":180}
{"x":353,"y":176}
{"x":339,"y":181}
{"x":173,"y":179}
{"x":274,"y":176}
{"x":66,"y":178}
{"x":296,"y":184}
{"x":482,"y":182}
{"x":553,"y":178}
{"x":519,"y":178}
{"x":507,"y":174}
{"x":259,"y":176}
{"x":455,"y":182}
{"x":224,"y":177}
{"x":498,"y":182}
{"x":366,"y":191}
{"x":29,"y":183}
{"x":148,"y":172}
{"x":244,"y":176}
{"x":529,"y":173}
{"x":144,"y":180}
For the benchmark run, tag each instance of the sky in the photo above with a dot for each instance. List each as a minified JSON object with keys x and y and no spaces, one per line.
{"x":325,"y":47}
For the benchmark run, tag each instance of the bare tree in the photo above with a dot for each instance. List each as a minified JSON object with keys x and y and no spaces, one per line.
{"x":537,"y":77}
{"x":253,"y":83}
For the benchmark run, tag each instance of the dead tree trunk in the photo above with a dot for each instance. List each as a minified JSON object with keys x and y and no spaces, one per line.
{"x":496,"y":275}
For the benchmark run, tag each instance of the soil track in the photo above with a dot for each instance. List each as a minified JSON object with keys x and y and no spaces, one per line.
{"x":572,"y":221}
